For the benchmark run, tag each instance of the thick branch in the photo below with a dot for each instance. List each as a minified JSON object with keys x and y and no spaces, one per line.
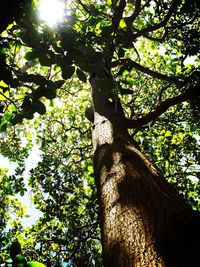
{"x":118,"y":14}
{"x":149,"y":72}
{"x":160,"y":109}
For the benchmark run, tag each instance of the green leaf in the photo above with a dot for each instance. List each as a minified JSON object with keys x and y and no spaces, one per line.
{"x":67,"y":72}
{"x":90,"y":169}
{"x":122,"y":24}
{"x":31,"y":55}
{"x":19,"y":258}
{"x":22,"y":193}
{"x":3,"y":126}
{"x":81,"y":75}
{"x":1,"y":108}
{"x":125,"y":68}
{"x":35,"y":264}
{"x":8,"y":116}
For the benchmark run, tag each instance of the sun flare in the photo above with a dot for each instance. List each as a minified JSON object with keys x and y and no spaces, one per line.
{"x":51,"y":11}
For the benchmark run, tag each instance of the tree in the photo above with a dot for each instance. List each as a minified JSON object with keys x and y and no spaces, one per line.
{"x":119,"y":45}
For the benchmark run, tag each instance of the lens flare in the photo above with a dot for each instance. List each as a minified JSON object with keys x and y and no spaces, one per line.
{"x":51,"y":11}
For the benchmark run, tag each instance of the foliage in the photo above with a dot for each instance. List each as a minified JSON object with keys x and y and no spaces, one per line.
{"x":143,"y":57}
{"x":11,"y":210}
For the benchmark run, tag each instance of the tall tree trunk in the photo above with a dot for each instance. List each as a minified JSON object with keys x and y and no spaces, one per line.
{"x":142,"y":218}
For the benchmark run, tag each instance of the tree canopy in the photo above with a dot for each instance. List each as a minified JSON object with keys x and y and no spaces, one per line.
{"x":152,"y":48}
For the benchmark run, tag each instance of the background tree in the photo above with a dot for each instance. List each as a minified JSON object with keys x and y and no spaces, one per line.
{"x":136,"y":55}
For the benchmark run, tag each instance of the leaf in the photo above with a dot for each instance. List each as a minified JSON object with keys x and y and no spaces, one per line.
{"x":63,"y":60}
{"x":39,"y":92}
{"x":8,"y":116}
{"x":27,"y":104}
{"x":121,"y":52}
{"x":3,"y":126}
{"x":4,"y":96}
{"x":50,"y":94}
{"x":31,"y":55}
{"x":35,"y":78}
{"x":107,"y":31}
{"x":3,"y":84}
{"x":126,"y":92}
{"x":81,"y":75}
{"x":28,"y":115}
{"x":90,"y":169}
{"x":45,"y":59}
{"x":168,"y":133}
{"x":67,"y":72}
{"x":35,"y":264}
{"x":122,"y":24}
{"x":39,"y":106}
{"x":17,"y":119}
{"x":22,"y":193}
{"x":74,"y":53}
{"x":56,"y":84}
{"x":126,"y":67}
{"x":5,"y":75}
{"x":68,"y":38}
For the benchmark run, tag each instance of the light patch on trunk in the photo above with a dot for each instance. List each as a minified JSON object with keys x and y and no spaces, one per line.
{"x":102,"y":132}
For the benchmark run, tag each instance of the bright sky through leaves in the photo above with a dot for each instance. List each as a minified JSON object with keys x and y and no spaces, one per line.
{"x":52,"y":12}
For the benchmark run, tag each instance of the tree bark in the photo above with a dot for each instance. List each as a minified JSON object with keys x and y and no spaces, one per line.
{"x":142,"y":218}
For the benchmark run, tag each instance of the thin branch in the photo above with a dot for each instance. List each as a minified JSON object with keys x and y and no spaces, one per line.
{"x":92,"y":11}
{"x":160,"y":24}
{"x":149,"y":72}
{"x":159,"y":40}
{"x":84,"y":7}
{"x":135,"y":14}
{"x":161,"y":93}
{"x":160,"y":109}
{"x":118,"y":14}
{"x":7,"y":98}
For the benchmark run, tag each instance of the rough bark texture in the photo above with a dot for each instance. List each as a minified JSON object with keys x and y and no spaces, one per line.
{"x":142,"y":218}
